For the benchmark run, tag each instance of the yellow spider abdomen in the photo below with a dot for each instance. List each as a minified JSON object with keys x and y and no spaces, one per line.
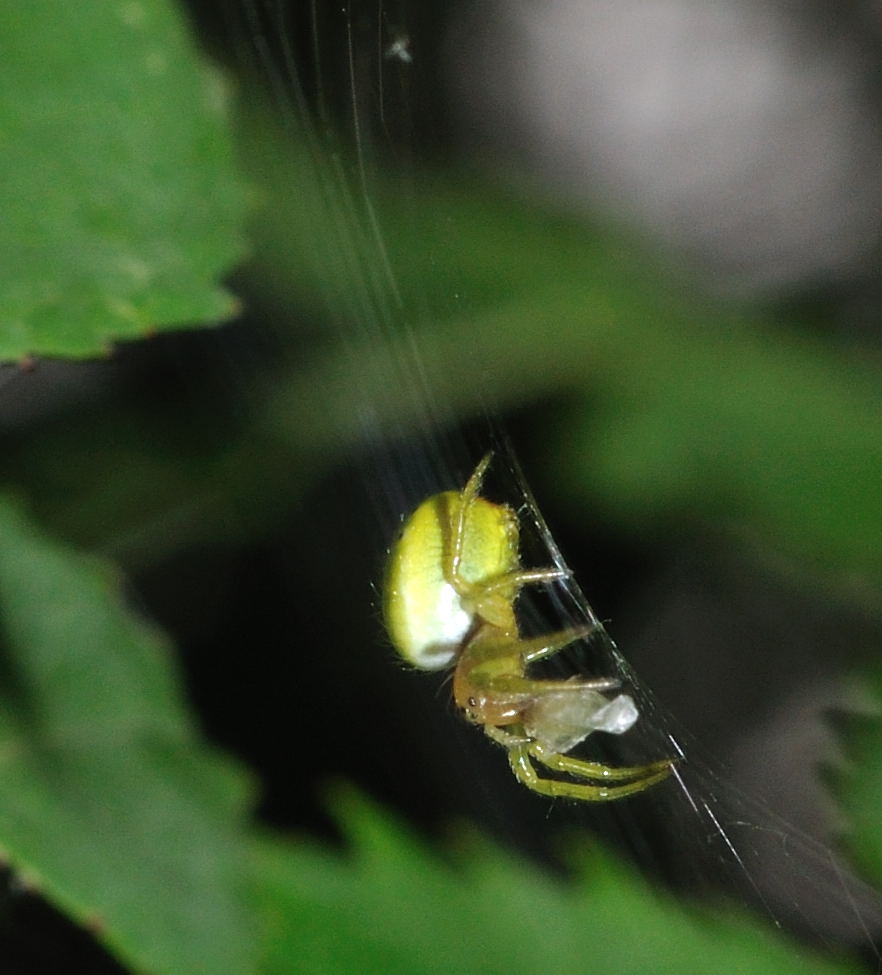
{"x":431,"y":604}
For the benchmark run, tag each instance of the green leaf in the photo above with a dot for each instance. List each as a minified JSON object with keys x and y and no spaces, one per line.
{"x":120,"y":204}
{"x":109,"y":803}
{"x":392,"y":907}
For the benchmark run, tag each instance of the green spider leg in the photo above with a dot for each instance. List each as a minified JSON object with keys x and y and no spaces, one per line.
{"x":581,"y":769}
{"x":539,"y":647}
{"x":625,"y":781}
{"x":494,"y":663}
{"x":507,"y":582}
{"x":466,"y":499}
{"x":577,"y":767}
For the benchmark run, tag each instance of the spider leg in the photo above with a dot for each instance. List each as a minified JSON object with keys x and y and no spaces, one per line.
{"x":540,"y":647}
{"x":493,"y":599}
{"x":466,"y":499}
{"x":519,"y":758}
{"x":581,"y":769}
{"x":508,"y":739}
{"x":491,"y":667}
{"x":512,"y":581}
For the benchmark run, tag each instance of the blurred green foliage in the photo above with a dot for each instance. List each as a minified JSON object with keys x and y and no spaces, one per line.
{"x":121,"y":209}
{"x":111,"y":804}
{"x":391,"y":906}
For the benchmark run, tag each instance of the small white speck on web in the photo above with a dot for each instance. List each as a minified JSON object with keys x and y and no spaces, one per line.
{"x":399,"y":50}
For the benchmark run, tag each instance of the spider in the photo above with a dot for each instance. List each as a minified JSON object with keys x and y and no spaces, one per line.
{"x":452,"y":580}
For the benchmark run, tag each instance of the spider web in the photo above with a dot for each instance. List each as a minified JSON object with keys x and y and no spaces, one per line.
{"x":341,"y":80}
